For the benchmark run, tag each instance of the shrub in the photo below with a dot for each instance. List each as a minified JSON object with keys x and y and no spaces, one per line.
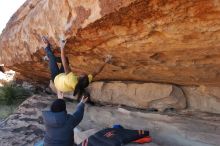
{"x":11,"y":94}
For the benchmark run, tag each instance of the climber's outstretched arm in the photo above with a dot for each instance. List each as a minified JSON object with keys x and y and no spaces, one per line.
{"x":99,"y":69}
{"x":63,"y":57}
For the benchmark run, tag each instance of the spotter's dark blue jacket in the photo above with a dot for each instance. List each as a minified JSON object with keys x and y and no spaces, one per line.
{"x":59,"y":126}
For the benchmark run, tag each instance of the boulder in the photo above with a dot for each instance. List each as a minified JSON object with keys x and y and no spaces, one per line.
{"x":7,"y":76}
{"x":154,"y":96}
{"x":21,"y":39}
{"x":25,"y":126}
{"x":203,"y":98}
{"x":150,"y":40}
{"x":139,"y":95}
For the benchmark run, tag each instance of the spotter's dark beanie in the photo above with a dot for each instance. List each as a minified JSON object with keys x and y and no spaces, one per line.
{"x":58,"y":105}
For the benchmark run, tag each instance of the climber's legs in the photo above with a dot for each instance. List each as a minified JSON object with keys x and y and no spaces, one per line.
{"x":54,"y":69}
{"x":53,"y":60}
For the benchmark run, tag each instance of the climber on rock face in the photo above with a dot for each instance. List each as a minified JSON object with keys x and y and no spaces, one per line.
{"x":65,"y":80}
{"x":59,"y":125}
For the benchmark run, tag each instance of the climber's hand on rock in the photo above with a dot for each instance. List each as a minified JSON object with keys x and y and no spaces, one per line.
{"x":45,"y":40}
{"x":62,"y":43}
{"x":108,"y":59}
{"x":84,"y":99}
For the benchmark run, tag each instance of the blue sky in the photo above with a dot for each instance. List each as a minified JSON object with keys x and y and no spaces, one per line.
{"x":7,"y":9}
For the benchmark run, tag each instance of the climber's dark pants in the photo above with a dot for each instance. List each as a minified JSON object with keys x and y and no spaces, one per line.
{"x":53,"y":60}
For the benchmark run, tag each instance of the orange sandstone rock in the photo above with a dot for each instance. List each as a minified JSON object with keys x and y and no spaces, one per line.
{"x":150,"y":40}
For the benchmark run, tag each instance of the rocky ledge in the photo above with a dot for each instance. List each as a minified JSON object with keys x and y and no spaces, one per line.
{"x":154,"y":96}
{"x":185,"y":128}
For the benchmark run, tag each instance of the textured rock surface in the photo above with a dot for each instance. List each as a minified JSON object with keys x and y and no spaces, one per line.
{"x":203,"y":98}
{"x":154,"y":95}
{"x":6,"y":76}
{"x":160,"y":97}
{"x":150,"y":40}
{"x":25,"y":126}
{"x":186,"y":129}
{"x":139,"y":95}
{"x":22,"y":37}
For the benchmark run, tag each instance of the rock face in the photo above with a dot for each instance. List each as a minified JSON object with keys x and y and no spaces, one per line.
{"x":161,"y":97}
{"x":203,"y":98}
{"x":175,"y":42}
{"x":139,"y":95}
{"x":21,"y":39}
{"x":6,"y":76}
{"x":150,"y":40}
{"x":25,"y":127}
{"x":151,"y":96}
